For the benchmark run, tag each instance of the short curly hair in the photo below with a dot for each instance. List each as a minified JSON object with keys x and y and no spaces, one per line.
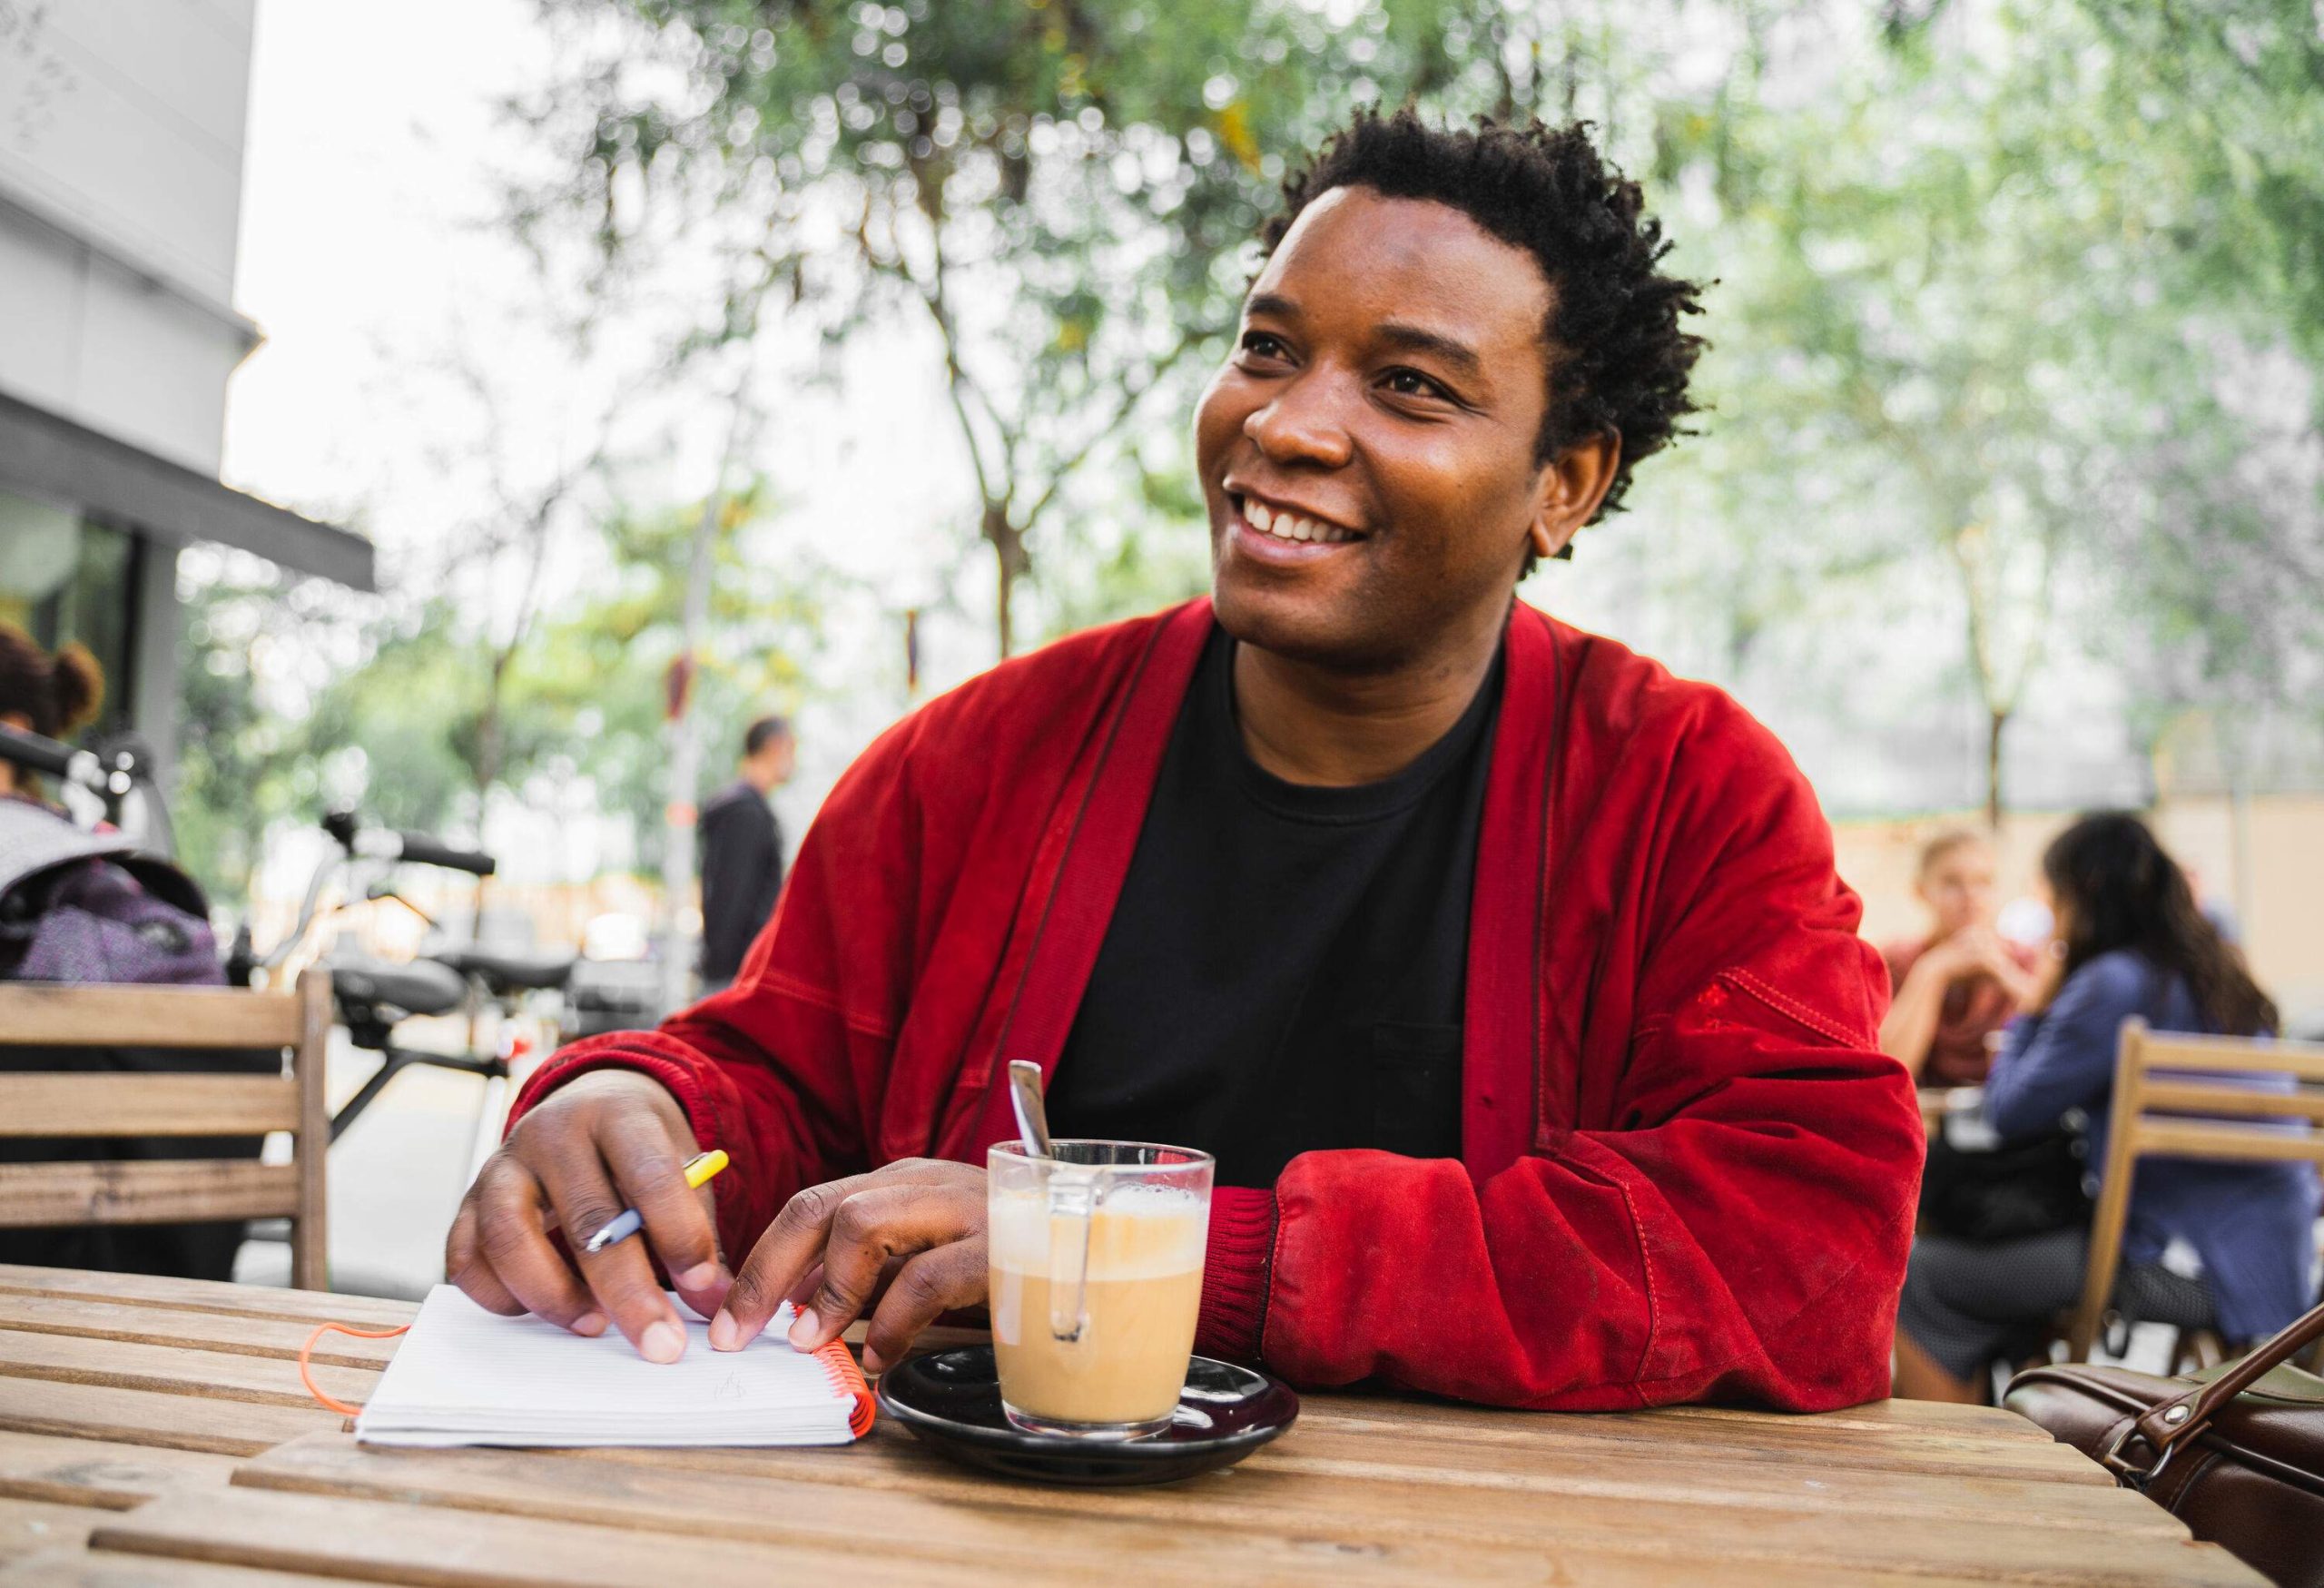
{"x":1619,"y":354}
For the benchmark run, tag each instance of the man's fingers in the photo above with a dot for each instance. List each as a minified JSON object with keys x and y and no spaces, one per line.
{"x":512,"y":1235}
{"x":650,"y":1175}
{"x":464,"y":1265}
{"x":925,"y":1289}
{"x":867,"y":1228}
{"x":792,"y":1244}
{"x":621,"y":1276}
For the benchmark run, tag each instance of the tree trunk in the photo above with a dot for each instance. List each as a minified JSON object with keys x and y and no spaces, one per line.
{"x":1996,"y":721}
{"x":1003,"y":588}
{"x":1010,"y":564}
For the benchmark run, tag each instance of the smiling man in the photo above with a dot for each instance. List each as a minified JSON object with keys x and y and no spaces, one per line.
{"x":1507,"y":976}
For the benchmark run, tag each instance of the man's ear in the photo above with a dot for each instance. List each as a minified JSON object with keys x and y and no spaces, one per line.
{"x":1570,"y":486}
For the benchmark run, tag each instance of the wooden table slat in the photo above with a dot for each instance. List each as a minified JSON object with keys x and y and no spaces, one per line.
{"x":211,"y":1374}
{"x":112,"y":1477}
{"x":32,"y":1526}
{"x":239,"y":1334}
{"x":1769,"y":1440}
{"x":83,"y":1569}
{"x":206,"y":1296}
{"x":134,"y":1416}
{"x":385,"y":1542}
{"x":1673,"y":1479}
{"x":1888,"y":1416}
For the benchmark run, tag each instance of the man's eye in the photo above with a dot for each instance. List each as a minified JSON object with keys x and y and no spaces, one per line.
{"x":1413,"y":383}
{"x":1259,"y":344}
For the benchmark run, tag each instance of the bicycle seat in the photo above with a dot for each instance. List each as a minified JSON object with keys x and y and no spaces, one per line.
{"x":539,"y":970}
{"x":420,"y":987}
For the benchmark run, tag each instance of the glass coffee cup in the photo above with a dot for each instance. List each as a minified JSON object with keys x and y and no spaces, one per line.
{"x":1095,"y":1267}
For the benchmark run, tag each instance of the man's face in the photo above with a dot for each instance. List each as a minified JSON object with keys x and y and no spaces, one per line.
{"x":776,"y":758}
{"x":1958,"y":888}
{"x":1383,"y":405}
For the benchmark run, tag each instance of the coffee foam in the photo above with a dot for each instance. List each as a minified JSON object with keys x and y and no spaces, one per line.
{"x":1138,"y":1232}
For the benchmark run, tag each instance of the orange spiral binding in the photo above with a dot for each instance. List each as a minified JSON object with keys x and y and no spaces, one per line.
{"x":847,"y":1377}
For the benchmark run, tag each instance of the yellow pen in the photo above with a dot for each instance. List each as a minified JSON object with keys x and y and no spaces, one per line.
{"x":629,"y":1221}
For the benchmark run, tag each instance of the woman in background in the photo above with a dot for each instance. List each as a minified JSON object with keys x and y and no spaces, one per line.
{"x":2131,"y":941}
{"x":1957,"y":988}
{"x":53,"y":696}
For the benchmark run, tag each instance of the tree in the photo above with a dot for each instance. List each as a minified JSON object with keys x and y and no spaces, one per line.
{"x":594,"y":685}
{"x":1955,"y":310}
{"x":1059,"y":192}
{"x":240,"y":764}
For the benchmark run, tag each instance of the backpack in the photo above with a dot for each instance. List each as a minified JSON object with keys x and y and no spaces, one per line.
{"x":87,"y":907}
{"x":84,"y":907}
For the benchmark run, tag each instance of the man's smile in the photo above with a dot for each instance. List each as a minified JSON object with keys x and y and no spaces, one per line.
{"x":1278,"y":532}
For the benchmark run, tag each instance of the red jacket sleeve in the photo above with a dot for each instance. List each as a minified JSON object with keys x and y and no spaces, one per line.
{"x":1740,"y":1230}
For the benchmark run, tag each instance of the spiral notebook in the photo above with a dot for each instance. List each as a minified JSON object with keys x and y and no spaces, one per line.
{"x":463,"y":1376}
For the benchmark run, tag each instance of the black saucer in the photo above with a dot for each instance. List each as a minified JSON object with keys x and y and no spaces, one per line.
{"x":952,"y":1400}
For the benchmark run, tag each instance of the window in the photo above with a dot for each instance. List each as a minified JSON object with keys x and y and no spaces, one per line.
{"x":62,"y":578}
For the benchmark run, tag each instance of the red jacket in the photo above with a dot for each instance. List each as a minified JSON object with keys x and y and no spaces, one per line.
{"x":1688,"y":1172}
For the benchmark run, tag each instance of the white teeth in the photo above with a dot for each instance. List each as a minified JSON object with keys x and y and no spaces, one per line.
{"x":1285,"y":526}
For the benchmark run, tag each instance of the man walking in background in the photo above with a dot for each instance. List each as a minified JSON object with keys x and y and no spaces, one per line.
{"x":742,"y":852}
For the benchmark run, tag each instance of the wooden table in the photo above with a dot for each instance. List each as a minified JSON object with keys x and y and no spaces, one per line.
{"x":154,"y":1431}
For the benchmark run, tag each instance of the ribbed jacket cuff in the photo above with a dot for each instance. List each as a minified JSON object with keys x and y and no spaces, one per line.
{"x":676,"y":1078}
{"x":1236,"y":1272}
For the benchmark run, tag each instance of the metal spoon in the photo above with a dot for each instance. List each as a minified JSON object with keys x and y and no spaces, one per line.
{"x":1032,"y":1119}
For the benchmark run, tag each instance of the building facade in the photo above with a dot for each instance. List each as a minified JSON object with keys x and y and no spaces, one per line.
{"x":121,"y":177}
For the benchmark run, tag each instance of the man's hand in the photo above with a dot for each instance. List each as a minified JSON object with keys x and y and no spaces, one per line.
{"x":1980,"y":951}
{"x":911,"y":1236}
{"x":610,"y":1139}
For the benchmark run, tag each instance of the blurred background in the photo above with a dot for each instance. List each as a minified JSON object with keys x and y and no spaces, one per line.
{"x":376,"y":383}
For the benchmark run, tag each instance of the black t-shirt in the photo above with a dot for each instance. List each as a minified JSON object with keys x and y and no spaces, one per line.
{"x":1285,"y":966}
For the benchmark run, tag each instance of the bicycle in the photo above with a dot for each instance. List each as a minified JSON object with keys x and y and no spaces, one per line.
{"x":374,"y":996}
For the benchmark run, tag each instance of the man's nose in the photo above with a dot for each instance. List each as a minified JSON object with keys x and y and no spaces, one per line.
{"x":1305,"y":422}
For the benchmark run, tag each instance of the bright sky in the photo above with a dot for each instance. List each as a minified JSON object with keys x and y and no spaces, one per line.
{"x":369,"y":258}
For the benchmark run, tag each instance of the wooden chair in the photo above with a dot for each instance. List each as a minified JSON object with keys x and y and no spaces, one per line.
{"x":2150,"y":1118}
{"x":58,"y":1103}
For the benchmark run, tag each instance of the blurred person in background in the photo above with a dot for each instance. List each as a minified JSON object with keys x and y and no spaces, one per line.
{"x":742,"y":852}
{"x":79,"y":907}
{"x":2131,"y":941}
{"x":1956,"y":987}
{"x":53,"y":696}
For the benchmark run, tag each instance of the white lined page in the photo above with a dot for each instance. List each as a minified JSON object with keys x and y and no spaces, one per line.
{"x":463,"y":1376}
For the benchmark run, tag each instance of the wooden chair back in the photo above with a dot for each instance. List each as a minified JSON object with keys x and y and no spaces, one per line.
{"x":67,"y":1103}
{"x":2166,"y":1105}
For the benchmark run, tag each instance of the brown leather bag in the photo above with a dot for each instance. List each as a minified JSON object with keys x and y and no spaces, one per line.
{"x":2236,"y":1452}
